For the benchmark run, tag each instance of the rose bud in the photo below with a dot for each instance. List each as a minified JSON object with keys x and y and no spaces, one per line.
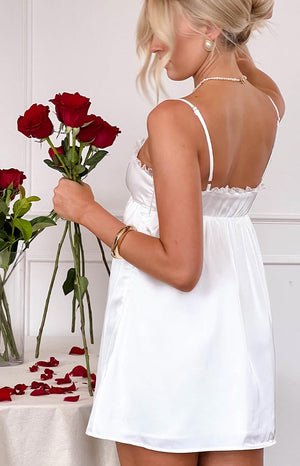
{"x":52,"y":153}
{"x":71,"y":109}
{"x":106,"y":136}
{"x":36,"y":122}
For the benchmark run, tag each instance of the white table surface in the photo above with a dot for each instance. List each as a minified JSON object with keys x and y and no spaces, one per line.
{"x":45,"y":430}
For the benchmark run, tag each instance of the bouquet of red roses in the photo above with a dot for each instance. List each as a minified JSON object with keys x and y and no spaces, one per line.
{"x":80,"y":151}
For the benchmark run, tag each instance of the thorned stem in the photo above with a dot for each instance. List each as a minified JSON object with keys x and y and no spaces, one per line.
{"x":103,"y":255}
{"x":74,"y":246}
{"x":37,"y":349}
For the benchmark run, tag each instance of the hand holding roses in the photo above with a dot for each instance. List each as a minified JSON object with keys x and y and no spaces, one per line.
{"x":72,"y":200}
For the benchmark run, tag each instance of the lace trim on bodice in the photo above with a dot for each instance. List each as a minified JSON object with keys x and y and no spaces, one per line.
{"x":216,"y":189}
{"x":138,"y":146}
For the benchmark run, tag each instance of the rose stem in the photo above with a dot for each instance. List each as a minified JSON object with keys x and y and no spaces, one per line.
{"x":58,"y":156}
{"x":37,"y":349}
{"x":4,"y":356}
{"x":7,"y":323}
{"x":73,"y":146}
{"x":3,"y":296}
{"x":73,"y":313}
{"x":79,"y":297}
{"x":80,"y":151}
{"x":88,"y":154}
{"x":77,"y":227}
{"x":9,"y":338}
{"x":14,"y":265}
{"x":103,"y":255}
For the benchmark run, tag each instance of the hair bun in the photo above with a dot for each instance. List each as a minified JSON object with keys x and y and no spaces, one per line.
{"x":260,"y":9}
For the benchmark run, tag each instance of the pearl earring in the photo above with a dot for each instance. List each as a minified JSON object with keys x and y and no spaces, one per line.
{"x":208,"y":45}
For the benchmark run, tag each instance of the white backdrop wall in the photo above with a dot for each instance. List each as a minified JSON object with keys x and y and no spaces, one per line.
{"x":89,"y":47}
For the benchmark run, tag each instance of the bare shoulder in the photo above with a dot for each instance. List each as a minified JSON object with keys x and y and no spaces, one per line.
{"x":171,"y":123}
{"x":278,"y":99}
{"x":171,"y":135}
{"x":170,"y":113}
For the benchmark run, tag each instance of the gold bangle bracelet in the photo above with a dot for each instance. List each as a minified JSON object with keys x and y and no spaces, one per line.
{"x":115,"y":246}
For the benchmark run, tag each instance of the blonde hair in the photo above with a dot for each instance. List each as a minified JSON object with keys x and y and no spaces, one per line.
{"x":236,"y":19}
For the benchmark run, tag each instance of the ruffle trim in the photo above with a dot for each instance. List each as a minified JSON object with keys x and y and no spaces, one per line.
{"x":138,"y":146}
{"x":144,"y":167}
{"x":236,"y":190}
{"x":216,"y":189}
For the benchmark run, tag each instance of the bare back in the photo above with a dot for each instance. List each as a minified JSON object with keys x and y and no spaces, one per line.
{"x":242,"y":124}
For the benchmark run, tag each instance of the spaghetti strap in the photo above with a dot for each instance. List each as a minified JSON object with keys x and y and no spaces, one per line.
{"x":211,"y":158}
{"x":275,"y":106}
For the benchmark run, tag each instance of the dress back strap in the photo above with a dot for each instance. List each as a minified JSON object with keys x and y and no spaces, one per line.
{"x":277,"y":111}
{"x":211,"y":158}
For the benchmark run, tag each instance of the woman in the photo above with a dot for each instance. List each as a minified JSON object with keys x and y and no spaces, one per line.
{"x":186,"y":368}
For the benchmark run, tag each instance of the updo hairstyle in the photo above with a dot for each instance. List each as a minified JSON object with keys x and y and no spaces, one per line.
{"x":237,"y":19}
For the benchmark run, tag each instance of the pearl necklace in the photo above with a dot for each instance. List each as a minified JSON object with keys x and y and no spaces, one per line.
{"x":242,"y":80}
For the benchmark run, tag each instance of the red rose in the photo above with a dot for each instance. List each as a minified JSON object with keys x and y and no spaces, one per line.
{"x":106,"y":136}
{"x":89,"y":132}
{"x":12,"y":175}
{"x":36,"y":122}
{"x":52,"y":153}
{"x":71,"y":109}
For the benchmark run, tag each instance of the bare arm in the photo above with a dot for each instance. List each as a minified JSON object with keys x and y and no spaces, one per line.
{"x":258,"y":78}
{"x":176,"y":256}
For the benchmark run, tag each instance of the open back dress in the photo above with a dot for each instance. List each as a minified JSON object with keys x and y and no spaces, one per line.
{"x":189,"y":371}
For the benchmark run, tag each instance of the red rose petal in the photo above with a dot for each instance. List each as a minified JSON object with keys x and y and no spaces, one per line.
{"x":52,"y":363}
{"x":48,"y":374}
{"x":20,"y":388}
{"x":39,"y":392}
{"x":57,"y":390}
{"x":66,"y":379}
{"x":36,"y":384}
{"x":5,"y":393}
{"x":78,"y":371}
{"x":72,"y":398}
{"x":76,"y":350}
{"x":34,"y":368}
{"x":71,"y":388}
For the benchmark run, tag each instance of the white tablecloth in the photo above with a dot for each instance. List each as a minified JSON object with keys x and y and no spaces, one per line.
{"x":45,"y":430}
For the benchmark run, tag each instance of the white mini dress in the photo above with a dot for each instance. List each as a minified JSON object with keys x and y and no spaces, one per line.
{"x":189,"y":371}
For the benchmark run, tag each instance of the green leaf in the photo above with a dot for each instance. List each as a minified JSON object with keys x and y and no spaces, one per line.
{"x":55,"y":167}
{"x":3,"y":207}
{"x":39,"y":223}
{"x":68,"y":284}
{"x":21,"y":207}
{"x":22,"y":191}
{"x":78,"y":169}
{"x":4,"y":259}
{"x":72,"y":158}
{"x":8,"y":255}
{"x":25,"y":228}
{"x":3,"y":244}
{"x":83,"y":284}
{"x":69,"y":154}
{"x":2,"y":219}
{"x":93,"y":161}
{"x":4,"y":235}
{"x":33,"y":198}
{"x":65,"y":144}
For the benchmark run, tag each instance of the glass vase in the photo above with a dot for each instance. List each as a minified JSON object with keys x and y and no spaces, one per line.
{"x":12,"y":289}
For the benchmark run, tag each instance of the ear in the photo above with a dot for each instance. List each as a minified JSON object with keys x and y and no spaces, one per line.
{"x":212,"y":31}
